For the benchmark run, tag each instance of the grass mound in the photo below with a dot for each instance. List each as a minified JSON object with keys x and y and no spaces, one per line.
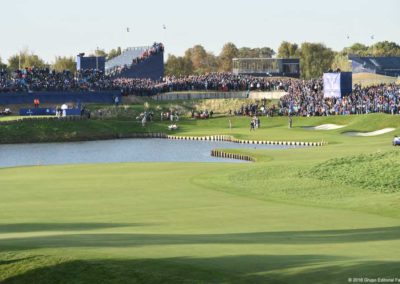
{"x":184,"y":108}
{"x":369,"y":79}
{"x":377,"y":172}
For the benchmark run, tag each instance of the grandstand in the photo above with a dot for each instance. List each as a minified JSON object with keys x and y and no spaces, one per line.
{"x":126,"y":57}
{"x":145,"y":62}
{"x":389,"y":65}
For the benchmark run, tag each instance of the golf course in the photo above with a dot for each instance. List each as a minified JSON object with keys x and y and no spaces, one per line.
{"x":327,"y":214}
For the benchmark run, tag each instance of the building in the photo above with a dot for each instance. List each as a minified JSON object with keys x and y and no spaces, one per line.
{"x":90,"y":62}
{"x":389,"y":65}
{"x":285,"y":67}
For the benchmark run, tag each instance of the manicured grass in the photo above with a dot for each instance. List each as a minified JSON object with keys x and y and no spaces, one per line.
{"x":284,"y":219}
{"x":7,"y":118}
{"x":10,"y":118}
{"x":377,"y":171}
{"x":271,"y":128}
{"x":18,"y":117}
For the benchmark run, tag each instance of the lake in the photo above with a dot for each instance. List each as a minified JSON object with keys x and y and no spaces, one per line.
{"x":117,"y":151}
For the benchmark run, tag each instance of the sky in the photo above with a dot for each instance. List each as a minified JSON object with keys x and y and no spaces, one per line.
{"x":52,"y":28}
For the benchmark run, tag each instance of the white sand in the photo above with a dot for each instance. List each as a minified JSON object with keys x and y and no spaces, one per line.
{"x":325,"y":127}
{"x":373,"y":133}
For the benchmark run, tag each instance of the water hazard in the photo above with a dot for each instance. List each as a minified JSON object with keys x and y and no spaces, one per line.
{"x":117,"y":151}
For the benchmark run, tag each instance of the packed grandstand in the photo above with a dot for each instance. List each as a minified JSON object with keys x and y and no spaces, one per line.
{"x":302,"y":97}
{"x":131,"y":58}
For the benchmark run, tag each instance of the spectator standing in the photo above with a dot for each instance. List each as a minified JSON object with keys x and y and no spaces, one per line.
{"x":116,"y":100}
{"x":252,"y":125}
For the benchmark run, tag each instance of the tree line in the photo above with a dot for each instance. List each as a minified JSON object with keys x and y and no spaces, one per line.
{"x":26,"y":59}
{"x":197,"y":60}
{"x":315,"y":58}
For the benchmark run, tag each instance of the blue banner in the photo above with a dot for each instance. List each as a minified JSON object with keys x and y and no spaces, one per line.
{"x":37,"y":111}
{"x":47,"y":111}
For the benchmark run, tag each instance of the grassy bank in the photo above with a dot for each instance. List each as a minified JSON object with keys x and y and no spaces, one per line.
{"x":309,"y":215}
{"x":369,"y":79}
{"x":271,"y":128}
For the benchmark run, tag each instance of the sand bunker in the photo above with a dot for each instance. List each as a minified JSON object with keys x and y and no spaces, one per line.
{"x":325,"y":127}
{"x":373,"y":133}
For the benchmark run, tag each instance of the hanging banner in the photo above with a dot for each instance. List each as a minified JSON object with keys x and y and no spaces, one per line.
{"x":332,"y":86}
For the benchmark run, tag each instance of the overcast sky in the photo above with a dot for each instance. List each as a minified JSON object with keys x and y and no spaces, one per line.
{"x":67,"y":27}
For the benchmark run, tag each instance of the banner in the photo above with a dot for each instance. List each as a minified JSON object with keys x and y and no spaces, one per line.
{"x":37,"y":111}
{"x":332,"y":86}
{"x":47,"y":111}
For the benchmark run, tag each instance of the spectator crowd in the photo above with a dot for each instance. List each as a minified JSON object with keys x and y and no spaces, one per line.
{"x":306,"y":98}
{"x":223,"y":82}
{"x":44,"y":79}
{"x":303,"y":98}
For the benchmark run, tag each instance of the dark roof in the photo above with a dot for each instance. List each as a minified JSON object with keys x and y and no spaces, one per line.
{"x":380,"y":63}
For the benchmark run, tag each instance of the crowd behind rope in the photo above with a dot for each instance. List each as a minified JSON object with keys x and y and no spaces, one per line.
{"x":304,"y":97}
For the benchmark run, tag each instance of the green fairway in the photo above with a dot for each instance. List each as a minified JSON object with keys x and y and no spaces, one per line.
{"x":308,"y":215}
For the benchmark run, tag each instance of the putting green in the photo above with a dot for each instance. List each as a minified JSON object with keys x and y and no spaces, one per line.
{"x":274,"y":221}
